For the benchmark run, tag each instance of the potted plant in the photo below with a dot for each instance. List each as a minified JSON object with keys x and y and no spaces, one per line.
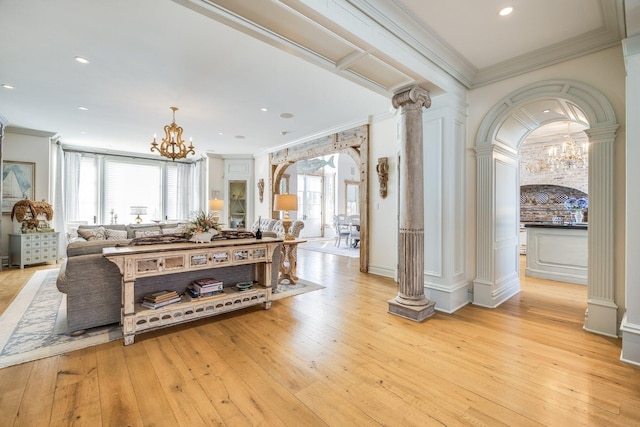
{"x":203,"y":227}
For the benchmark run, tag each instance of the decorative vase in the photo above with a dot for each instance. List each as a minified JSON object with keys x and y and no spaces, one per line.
{"x":202,"y":237}
{"x":578,"y":215}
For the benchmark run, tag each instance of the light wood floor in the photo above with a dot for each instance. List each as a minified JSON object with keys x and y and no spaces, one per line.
{"x":336,"y":357}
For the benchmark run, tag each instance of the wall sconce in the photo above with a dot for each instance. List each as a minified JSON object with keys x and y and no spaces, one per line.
{"x":383,"y":175}
{"x":261,"y":189}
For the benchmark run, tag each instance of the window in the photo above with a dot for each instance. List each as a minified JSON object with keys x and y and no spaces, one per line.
{"x":109,"y":185}
{"x":87,"y":191}
{"x":351,"y":194}
{"x":132,"y":183}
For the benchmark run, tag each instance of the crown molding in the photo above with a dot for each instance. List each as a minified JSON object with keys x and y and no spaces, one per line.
{"x":30,"y":132}
{"x":397,"y":19}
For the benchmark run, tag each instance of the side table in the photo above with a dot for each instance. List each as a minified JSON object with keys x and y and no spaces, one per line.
{"x":289,"y":260}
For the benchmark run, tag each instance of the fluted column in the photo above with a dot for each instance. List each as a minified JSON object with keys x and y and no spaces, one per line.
{"x":410,"y":301}
{"x":602,"y":312}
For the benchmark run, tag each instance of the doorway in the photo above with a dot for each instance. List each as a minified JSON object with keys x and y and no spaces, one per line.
{"x":310,"y":196}
{"x":497,"y":146}
{"x":353,"y":142}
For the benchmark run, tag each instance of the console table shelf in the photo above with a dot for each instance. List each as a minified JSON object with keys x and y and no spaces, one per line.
{"x":138,"y":262}
{"x":145,"y":319}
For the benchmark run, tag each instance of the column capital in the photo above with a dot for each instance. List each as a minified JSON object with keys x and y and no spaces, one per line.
{"x":414,"y":95}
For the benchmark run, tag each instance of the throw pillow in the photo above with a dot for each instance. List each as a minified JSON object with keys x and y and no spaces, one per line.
{"x":144,"y":233}
{"x":97,"y":233}
{"x":180,"y":228}
{"x":115,"y":234}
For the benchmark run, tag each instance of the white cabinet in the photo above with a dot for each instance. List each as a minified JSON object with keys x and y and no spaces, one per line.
{"x":523,"y":241}
{"x":33,"y":248}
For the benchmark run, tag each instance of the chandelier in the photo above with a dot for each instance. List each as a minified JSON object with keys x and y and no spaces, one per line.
{"x":565,"y":157}
{"x":172,"y":146}
{"x":568,"y":156}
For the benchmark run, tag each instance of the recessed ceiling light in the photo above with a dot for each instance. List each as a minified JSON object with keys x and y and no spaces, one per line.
{"x":7,"y":86}
{"x":82,"y":108}
{"x":284,"y":132}
{"x":82,"y":132}
{"x":546,"y":110}
{"x":264,"y":109}
{"x":505,"y":11}
{"x":239,"y":137}
{"x":286,"y":115}
{"x":81,"y":60}
{"x":220,"y":133}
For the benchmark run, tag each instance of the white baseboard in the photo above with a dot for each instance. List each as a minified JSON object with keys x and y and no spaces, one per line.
{"x":448,"y":300}
{"x":382,"y":271}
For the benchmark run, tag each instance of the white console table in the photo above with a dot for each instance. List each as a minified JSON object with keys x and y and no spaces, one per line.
{"x":136,"y":262}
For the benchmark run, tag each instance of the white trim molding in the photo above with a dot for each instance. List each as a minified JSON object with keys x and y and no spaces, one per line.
{"x":500,"y":134}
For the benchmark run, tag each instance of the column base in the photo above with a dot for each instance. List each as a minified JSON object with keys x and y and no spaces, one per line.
{"x":630,"y":342}
{"x":417,"y":313}
{"x":601,"y":317}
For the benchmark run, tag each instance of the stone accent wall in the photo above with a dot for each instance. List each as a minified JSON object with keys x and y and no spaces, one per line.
{"x":543,"y":202}
{"x":531,"y":153}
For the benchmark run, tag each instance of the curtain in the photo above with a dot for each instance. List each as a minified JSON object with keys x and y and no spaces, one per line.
{"x":59,"y":198}
{"x":183,"y":196}
{"x":71,"y":184}
{"x":199,"y":188}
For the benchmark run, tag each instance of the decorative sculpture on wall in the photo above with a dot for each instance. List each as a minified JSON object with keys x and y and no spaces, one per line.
{"x":261,"y":189}
{"x":383,"y":175}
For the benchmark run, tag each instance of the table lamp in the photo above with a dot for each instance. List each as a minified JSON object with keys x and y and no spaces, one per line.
{"x":286,"y":203}
{"x":216,"y":205}
{"x":138,"y":210}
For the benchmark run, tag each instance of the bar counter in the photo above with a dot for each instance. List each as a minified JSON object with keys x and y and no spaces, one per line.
{"x":557,"y":251}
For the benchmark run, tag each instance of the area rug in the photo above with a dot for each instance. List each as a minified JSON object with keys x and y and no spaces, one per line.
{"x":34,"y":326}
{"x":329,"y":247}
{"x":301,"y":287}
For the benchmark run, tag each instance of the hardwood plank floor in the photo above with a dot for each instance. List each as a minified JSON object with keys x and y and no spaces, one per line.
{"x":335,"y":357}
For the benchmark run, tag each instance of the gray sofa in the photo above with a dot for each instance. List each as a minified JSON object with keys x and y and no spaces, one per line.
{"x":93,"y":284}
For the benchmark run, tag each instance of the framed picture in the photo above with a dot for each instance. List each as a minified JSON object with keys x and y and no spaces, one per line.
{"x":18,"y":182}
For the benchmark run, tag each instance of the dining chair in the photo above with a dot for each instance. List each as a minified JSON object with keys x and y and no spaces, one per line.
{"x":341,"y":229}
{"x":354,"y":230}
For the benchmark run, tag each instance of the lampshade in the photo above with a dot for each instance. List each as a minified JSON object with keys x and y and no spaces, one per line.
{"x":216,"y":205}
{"x":138,"y":210}
{"x":285,"y":202}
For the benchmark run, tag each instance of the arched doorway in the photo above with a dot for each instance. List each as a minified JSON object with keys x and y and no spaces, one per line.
{"x":497,"y":154}
{"x":353,"y":142}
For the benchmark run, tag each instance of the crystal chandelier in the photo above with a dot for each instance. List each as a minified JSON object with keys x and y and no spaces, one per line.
{"x":172,"y":146}
{"x":568,"y":156}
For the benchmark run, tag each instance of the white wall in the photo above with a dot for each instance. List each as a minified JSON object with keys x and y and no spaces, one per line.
{"x":262,"y":170}
{"x":383,"y":213}
{"x":215,"y":165}
{"x":25,"y":145}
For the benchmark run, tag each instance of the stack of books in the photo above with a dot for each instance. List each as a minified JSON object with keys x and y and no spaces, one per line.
{"x":160,"y":299}
{"x":205,"y":288}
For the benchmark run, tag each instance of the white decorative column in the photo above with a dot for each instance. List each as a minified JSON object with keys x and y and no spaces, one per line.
{"x":410,"y":302}
{"x":602,"y":312}
{"x":630,"y":326}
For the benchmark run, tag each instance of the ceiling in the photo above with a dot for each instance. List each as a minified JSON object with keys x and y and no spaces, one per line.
{"x":221,"y":62}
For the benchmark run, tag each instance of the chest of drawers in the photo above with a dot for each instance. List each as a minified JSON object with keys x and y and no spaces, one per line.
{"x":33,"y":248}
